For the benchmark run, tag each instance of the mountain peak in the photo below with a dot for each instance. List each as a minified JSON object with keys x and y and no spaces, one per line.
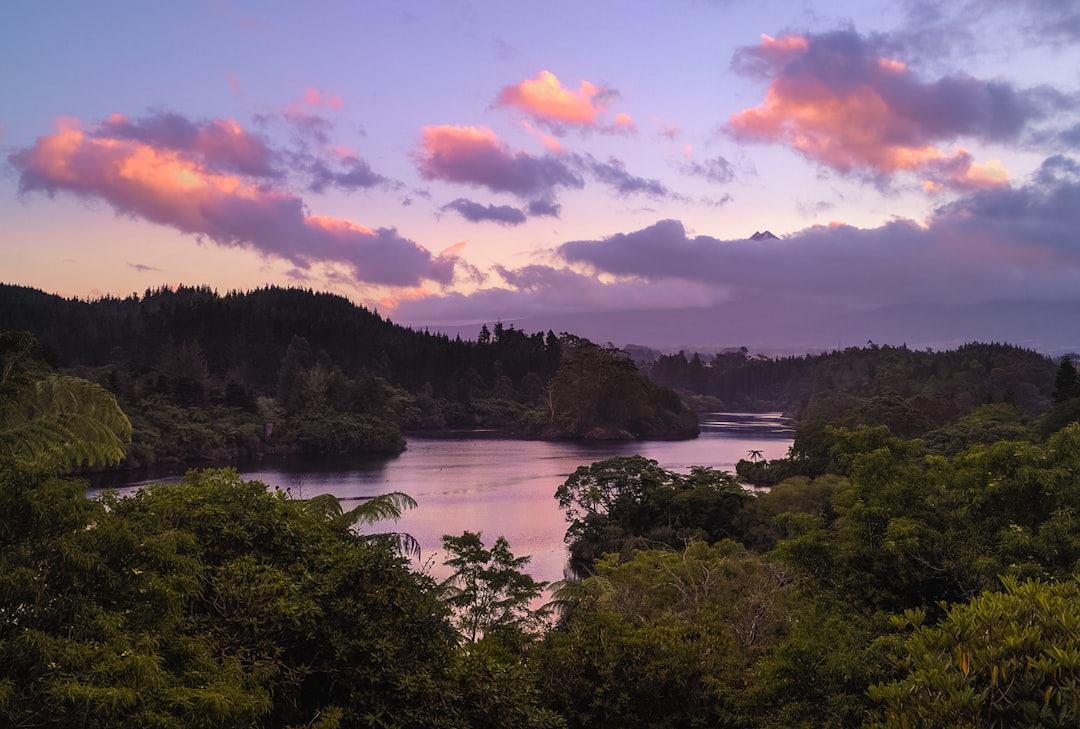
{"x":763,"y":235}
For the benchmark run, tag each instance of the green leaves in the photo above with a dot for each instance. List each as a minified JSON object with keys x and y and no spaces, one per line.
{"x":630,"y":502}
{"x":1005,"y":659}
{"x":490,"y":595}
{"x":59,"y":422}
{"x":384,"y":507}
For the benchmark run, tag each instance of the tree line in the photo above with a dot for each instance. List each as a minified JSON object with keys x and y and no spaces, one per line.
{"x":911,"y":391}
{"x":225,"y":377}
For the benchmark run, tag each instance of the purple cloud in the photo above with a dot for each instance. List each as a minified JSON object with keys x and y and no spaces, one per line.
{"x":356,"y":175}
{"x":836,"y":99}
{"x":716,"y":170}
{"x":613,"y":173}
{"x":221,"y":144}
{"x":474,"y":212}
{"x":544,"y":208}
{"x":1001,"y":243}
{"x":474,"y":156}
{"x":181,"y":189}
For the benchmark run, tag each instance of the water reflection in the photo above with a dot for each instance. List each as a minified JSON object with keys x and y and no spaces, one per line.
{"x":478,"y":481}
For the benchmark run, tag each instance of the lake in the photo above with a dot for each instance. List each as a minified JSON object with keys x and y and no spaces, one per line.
{"x":480,"y":482}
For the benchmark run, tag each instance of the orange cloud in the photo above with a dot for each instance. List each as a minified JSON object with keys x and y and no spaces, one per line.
{"x":890,"y":65}
{"x":453,"y":249}
{"x":838,"y":103}
{"x":546,"y":97}
{"x":177,"y":188}
{"x":625,"y":121}
{"x":785,"y":43}
{"x":844,"y":132}
{"x":415,"y":294}
{"x":548,"y":102}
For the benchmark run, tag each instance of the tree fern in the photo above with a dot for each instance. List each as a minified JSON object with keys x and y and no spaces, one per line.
{"x":59,"y":422}
{"x":369,"y":511}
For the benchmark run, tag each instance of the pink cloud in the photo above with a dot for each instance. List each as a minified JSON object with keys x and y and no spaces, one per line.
{"x":550,"y":143}
{"x":219,"y":144}
{"x":667,"y":130}
{"x":548,"y":102}
{"x":234,"y":84}
{"x":316,"y":98}
{"x":835,"y":100}
{"x":475,"y":156}
{"x":176,"y":186}
{"x":625,"y":121}
{"x":546,"y":99}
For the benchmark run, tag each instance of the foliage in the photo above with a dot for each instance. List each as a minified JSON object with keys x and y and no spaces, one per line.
{"x":1005,"y":659}
{"x":911,"y":392}
{"x":598,"y":393}
{"x":194,"y":370}
{"x":664,"y":639}
{"x":630,"y":502}
{"x":490,"y":595}
{"x":216,"y":602}
{"x":383,"y":507}
{"x":911,"y":530}
{"x":51,"y":423}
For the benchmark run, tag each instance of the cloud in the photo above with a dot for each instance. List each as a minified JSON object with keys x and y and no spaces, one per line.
{"x":547,"y":101}
{"x":219,"y":144}
{"x":143,"y":268}
{"x":544,"y":208}
{"x":143,"y":173}
{"x":997,"y":243}
{"x":716,"y":170}
{"x":319,"y":99}
{"x":667,"y":130}
{"x":474,"y":212}
{"x":537,"y":290}
{"x":613,"y":173}
{"x":1009,"y":244}
{"x":355,"y":175}
{"x":475,"y":156}
{"x":835,"y":99}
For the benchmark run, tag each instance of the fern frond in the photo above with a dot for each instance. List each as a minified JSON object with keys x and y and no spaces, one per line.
{"x":379,"y":508}
{"x":60,"y":422}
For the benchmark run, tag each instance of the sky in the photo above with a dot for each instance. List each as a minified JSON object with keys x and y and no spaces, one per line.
{"x":594,"y":165}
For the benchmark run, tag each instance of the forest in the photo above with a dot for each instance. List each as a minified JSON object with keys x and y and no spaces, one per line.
{"x":221,"y":378}
{"x":914,"y":561}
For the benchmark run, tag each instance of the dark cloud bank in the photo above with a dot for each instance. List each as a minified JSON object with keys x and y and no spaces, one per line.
{"x":1001,"y":265}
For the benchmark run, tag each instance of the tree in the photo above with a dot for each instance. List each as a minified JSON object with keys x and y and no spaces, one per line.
{"x":51,"y":423}
{"x":629,"y":502}
{"x":490,"y":595}
{"x":664,"y":639}
{"x":1006,"y":659}
{"x":216,"y":602}
{"x":1066,"y":385}
{"x":382,"y":507}
{"x":597,"y":392}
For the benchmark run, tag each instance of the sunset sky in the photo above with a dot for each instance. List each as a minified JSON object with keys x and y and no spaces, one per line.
{"x":451,"y":163}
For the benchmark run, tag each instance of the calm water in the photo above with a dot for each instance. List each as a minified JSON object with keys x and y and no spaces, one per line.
{"x":496,"y":486}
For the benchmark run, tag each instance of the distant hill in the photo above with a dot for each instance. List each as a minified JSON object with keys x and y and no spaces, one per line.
{"x":775,"y":323}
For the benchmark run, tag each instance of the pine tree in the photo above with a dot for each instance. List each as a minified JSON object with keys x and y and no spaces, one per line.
{"x":1065,"y":384}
